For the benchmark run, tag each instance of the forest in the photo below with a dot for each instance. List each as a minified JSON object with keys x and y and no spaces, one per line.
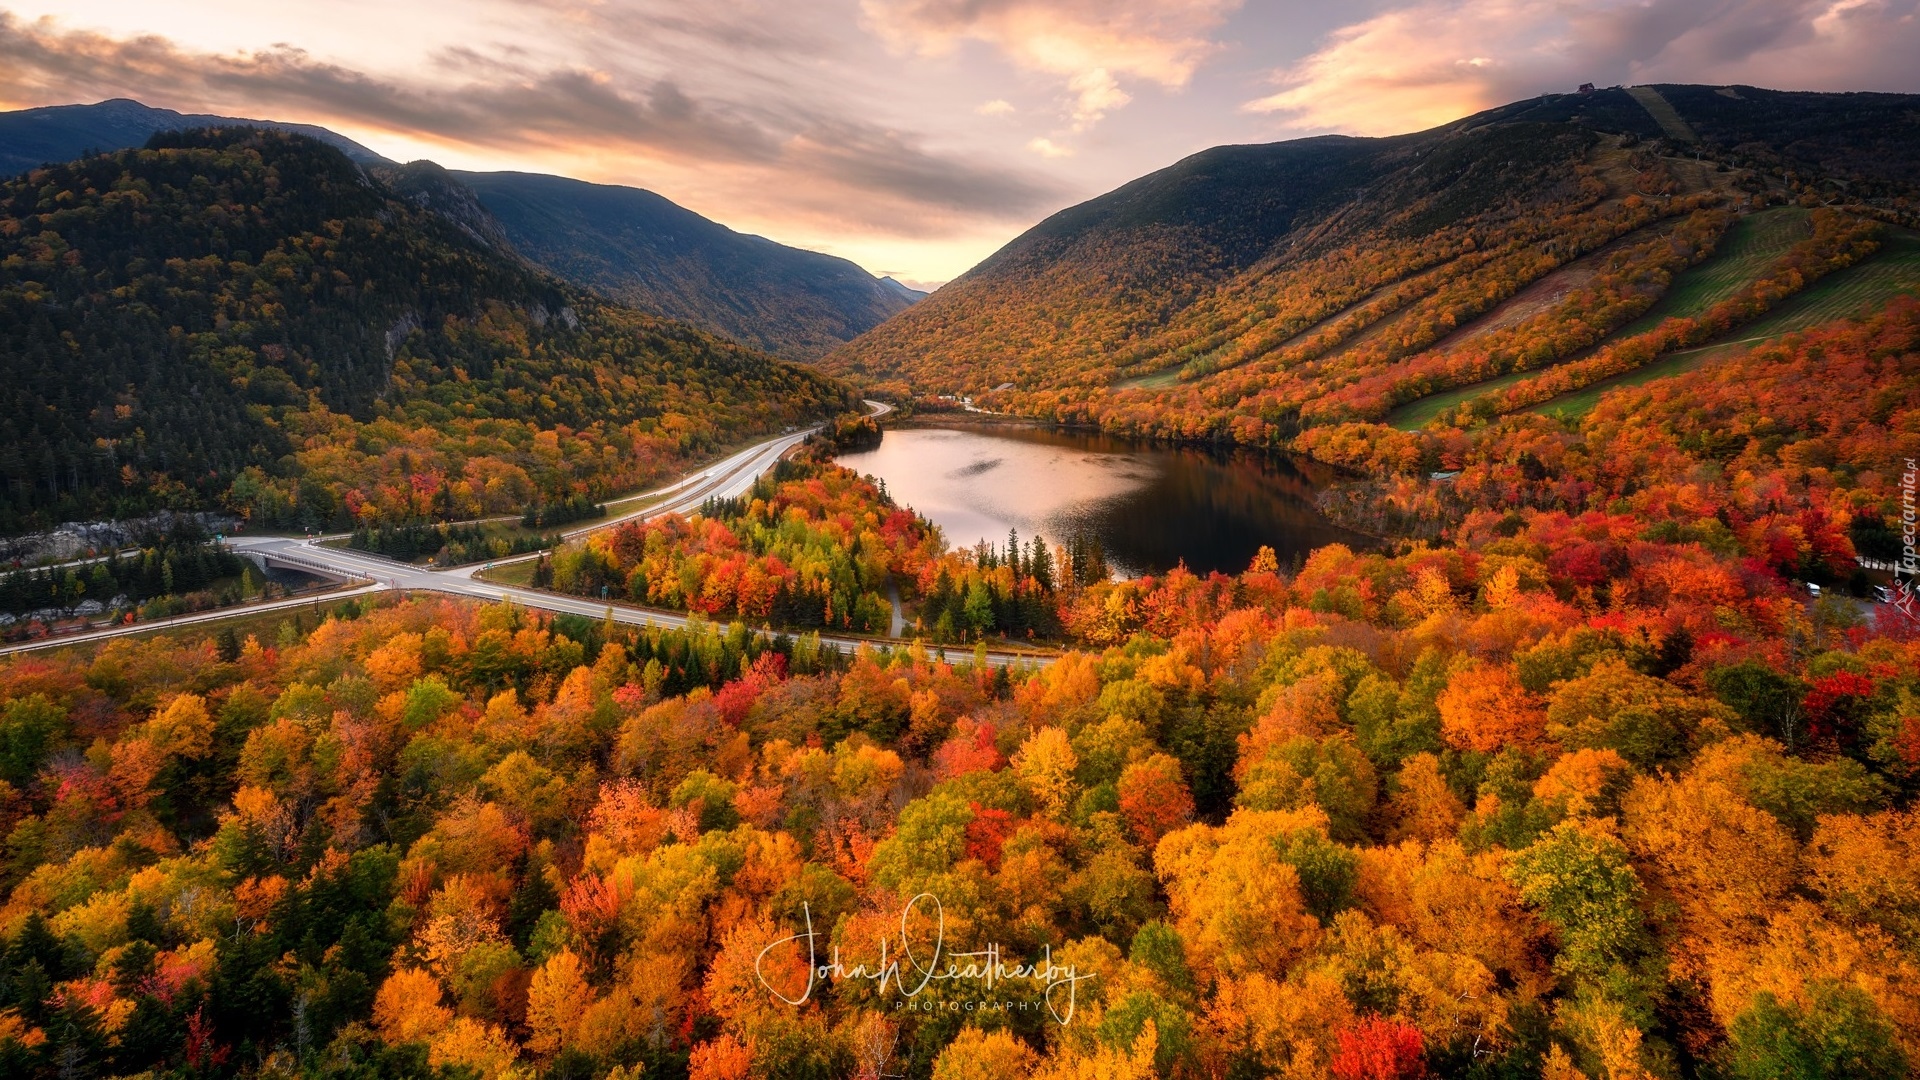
{"x":446,"y":545}
{"x":1586,"y":792}
{"x":169,"y":575}
{"x":813,"y":546}
{"x":1748,"y":454}
{"x":243,"y":319}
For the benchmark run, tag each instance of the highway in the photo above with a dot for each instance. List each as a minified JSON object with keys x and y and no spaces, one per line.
{"x":724,"y":479}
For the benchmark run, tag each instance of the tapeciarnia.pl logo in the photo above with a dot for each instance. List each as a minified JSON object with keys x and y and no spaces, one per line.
{"x":1908,"y":568}
{"x":910,"y":972}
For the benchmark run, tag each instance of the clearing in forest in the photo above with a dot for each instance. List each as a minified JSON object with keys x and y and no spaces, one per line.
{"x":1851,"y":293}
{"x":1754,"y":243}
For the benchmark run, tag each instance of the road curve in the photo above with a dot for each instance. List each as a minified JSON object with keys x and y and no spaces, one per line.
{"x":730,"y":477}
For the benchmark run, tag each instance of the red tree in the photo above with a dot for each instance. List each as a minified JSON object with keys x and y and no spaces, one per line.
{"x":1834,"y":705}
{"x":986,"y":833}
{"x":1380,"y":1049}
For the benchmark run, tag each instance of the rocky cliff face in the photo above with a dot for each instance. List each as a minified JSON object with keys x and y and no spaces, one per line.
{"x":434,"y":189}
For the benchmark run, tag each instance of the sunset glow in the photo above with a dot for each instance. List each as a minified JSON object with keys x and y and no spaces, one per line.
{"x":914,"y":136}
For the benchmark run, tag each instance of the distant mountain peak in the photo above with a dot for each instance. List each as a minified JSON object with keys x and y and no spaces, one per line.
{"x":912,"y":294}
{"x":52,"y":134}
{"x":641,"y":248}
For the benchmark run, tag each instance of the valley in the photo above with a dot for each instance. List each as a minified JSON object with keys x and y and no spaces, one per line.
{"x":1381,"y":607}
{"x":362,"y":574}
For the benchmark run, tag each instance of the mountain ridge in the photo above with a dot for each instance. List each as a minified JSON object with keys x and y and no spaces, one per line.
{"x":247,"y":318}
{"x":52,"y":134}
{"x":641,"y":248}
{"x":630,"y":244}
{"x":1246,"y":293}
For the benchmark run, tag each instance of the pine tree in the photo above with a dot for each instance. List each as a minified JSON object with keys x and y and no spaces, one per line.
{"x":1040,"y":563}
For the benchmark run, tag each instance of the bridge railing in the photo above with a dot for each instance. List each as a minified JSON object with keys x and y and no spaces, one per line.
{"x":301,"y":562}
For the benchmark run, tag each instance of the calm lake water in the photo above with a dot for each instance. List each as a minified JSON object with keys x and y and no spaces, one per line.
{"x":1151,"y":506}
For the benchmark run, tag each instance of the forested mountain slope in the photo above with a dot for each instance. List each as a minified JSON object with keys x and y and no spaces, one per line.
{"x":642,"y":249}
{"x":627,"y":244}
{"x":245,"y":316}
{"x":1255,"y":292}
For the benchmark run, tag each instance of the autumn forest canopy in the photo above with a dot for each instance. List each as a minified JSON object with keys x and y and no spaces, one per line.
{"x":1565,"y":772}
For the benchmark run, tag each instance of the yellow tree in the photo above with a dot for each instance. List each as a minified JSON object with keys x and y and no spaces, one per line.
{"x":975,"y":1053}
{"x":1045,"y":764}
{"x":1868,"y":869}
{"x":1423,"y":807}
{"x":408,"y":1009}
{"x":1648,"y":720}
{"x":557,"y":998}
{"x":1704,"y":849}
{"x":1235,"y":903}
{"x":1586,"y":781}
{"x":183,"y":728}
{"x":724,"y":1058}
{"x":1105,"y":1062}
{"x":468,"y":1043}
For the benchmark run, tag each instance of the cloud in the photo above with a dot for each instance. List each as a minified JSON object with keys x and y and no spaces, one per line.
{"x":1091,"y":44}
{"x":996,"y":107}
{"x":1047,"y":148}
{"x":860,"y":158}
{"x":1095,"y":94}
{"x":773,"y":158}
{"x":497,"y":103}
{"x":758,"y":27}
{"x":1438,"y":60}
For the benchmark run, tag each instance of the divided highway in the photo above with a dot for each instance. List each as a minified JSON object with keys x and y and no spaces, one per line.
{"x":725,"y":479}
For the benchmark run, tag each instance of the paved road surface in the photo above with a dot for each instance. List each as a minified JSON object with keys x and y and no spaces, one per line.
{"x":321,"y":600}
{"x":725,"y":479}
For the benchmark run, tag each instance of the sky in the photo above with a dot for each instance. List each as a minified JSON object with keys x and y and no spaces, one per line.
{"x":912,"y":136}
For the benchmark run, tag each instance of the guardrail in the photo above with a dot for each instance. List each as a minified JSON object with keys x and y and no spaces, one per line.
{"x":189,"y":618}
{"x":301,"y":562}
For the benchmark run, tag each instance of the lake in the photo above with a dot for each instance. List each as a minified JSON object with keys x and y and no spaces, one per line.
{"x":1150,"y":505}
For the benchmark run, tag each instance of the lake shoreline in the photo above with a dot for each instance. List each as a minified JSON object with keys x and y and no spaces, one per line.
{"x":1014,"y":420}
{"x":1150,"y":504}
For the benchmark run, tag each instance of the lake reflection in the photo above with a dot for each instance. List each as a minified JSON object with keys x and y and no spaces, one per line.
{"x":1151,"y":506}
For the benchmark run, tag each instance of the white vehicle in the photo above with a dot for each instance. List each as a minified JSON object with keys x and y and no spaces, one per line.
{"x":1813,"y":590}
{"x":1883,"y":594}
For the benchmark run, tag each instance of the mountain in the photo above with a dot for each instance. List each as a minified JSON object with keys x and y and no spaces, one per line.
{"x":641,"y":249}
{"x":247,"y":318}
{"x":1250,"y":293}
{"x":434,"y":189}
{"x":911,"y":295}
{"x":627,"y":244}
{"x":33,"y":137}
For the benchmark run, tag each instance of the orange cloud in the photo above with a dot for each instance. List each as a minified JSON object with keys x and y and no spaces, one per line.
{"x":1431,"y":62}
{"x":1093,"y":44}
{"x":824,"y":171}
